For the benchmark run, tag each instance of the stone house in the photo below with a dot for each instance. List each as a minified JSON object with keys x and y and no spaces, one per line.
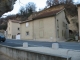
{"x":49,"y":25}
{"x":13,"y":29}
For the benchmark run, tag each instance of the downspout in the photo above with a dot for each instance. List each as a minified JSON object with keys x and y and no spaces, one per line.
{"x":32,"y":28}
{"x":33,"y":31}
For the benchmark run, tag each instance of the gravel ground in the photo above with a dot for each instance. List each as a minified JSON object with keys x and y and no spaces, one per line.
{"x":3,"y":57}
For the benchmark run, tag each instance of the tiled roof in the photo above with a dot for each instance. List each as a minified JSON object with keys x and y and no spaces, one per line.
{"x":47,"y":13}
{"x":25,"y":21}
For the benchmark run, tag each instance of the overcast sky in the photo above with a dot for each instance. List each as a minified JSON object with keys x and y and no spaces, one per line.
{"x":39,"y":4}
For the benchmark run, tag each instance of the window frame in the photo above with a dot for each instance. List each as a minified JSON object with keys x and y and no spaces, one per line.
{"x":57,"y":23}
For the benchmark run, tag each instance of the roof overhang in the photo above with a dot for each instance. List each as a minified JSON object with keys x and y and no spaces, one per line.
{"x":25,"y":21}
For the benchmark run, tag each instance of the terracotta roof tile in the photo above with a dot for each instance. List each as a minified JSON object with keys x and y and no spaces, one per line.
{"x":47,"y":14}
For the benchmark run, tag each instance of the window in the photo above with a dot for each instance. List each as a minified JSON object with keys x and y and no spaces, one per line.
{"x":57,"y":23}
{"x":18,"y":28}
{"x":13,"y":36}
{"x":27,"y":24}
{"x":27,"y":33}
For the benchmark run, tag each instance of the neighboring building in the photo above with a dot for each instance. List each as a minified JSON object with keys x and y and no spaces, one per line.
{"x":79,"y":19}
{"x":13,"y":29}
{"x":48,"y":25}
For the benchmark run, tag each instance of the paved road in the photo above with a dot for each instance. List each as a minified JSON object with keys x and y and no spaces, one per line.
{"x":19,"y":43}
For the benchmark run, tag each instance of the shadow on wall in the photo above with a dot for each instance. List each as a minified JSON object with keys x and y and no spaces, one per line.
{"x":73,"y":35}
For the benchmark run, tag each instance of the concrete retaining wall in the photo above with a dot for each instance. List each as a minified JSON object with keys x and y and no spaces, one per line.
{"x":19,"y":54}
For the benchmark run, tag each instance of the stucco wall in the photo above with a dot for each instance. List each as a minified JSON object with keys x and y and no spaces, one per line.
{"x":12,"y":29}
{"x":9,"y":30}
{"x":25,"y":29}
{"x":44,"y":29}
{"x":15,"y":27}
{"x":63,"y":31}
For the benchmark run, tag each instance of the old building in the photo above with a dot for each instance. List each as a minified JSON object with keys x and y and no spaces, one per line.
{"x":79,"y":18}
{"x":13,"y":29}
{"x":48,"y":25}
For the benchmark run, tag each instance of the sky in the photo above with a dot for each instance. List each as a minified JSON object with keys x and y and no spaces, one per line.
{"x":40,"y":4}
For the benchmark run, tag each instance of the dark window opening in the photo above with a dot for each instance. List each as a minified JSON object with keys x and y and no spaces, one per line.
{"x":27,"y":33}
{"x":18,"y":29}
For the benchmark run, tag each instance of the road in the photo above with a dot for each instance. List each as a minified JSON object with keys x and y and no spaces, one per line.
{"x":19,"y":43}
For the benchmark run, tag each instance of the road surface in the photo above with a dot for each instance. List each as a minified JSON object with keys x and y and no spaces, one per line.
{"x":19,"y":43}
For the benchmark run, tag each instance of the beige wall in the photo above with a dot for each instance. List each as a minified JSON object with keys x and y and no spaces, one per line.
{"x":39,"y":29}
{"x":15,"y":27}
{"x":63,"y":31}
{"x":25,"y":29}
{"x":44,"y":29}
{"x":79,"y":19}
{"x":12,"y":29}
{"x":9,"y":30}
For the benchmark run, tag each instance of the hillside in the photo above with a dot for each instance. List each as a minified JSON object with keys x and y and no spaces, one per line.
{"x":71,"y":12}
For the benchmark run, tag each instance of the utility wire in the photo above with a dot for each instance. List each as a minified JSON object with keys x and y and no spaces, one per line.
{"x":20,"y":3}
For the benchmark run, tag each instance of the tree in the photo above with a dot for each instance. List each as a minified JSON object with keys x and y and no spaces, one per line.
{"x":22,"y":11}
{"x":68,"y":5}
{"x":52,"y":2}
{"x":69,"y":1}
{"x":56,"y":2}
{"x":31,"y":6}
{"x":26,"y":11}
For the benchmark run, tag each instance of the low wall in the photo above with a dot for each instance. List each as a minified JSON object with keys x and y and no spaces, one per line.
{"x":19,"y":54}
